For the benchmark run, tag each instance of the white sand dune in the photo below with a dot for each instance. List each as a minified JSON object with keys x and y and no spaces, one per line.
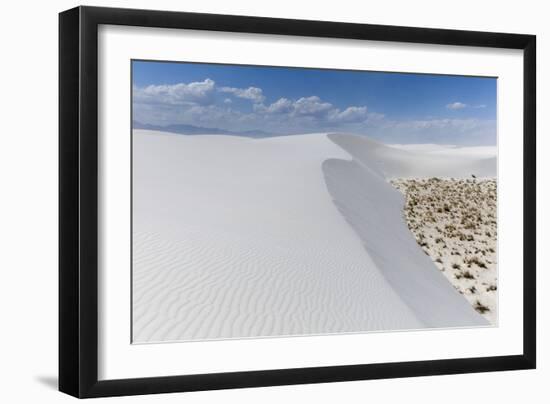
{"x":237,"y":237}
{"x":419,"y":160}
{"x":470,"y":152}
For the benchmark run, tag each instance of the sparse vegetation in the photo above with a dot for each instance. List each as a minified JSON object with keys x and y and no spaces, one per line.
{"x":454,"y":221}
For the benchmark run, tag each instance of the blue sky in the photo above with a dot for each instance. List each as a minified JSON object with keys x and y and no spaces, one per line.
{"x":391,"y":107}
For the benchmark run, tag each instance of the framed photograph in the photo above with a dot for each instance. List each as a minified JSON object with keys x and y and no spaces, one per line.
{"x":251,"y":201}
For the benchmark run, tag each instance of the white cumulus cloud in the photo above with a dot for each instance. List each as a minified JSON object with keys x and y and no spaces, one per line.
{"x":311,"y":106}
{"x":254,"y":94}
{"x":456,"y":105}
{"x":281,"y":106}
{"x":199,"y":92}
{"x":350,"y":114}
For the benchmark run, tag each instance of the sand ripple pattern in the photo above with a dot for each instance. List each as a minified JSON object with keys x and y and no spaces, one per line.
{"x":210,"y":287}
{"x":243,"y":238}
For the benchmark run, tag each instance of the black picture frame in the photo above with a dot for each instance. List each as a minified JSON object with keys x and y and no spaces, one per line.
{"x":78,"y":196}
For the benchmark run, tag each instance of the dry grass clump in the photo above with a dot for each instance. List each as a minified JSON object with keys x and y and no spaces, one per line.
{"x":454,"y":221}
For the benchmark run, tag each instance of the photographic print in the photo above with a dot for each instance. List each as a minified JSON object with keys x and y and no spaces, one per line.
{"x":288,"y":201}
{"x":249,"y":202}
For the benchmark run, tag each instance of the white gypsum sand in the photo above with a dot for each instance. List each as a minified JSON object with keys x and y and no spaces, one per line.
{"x":454,"y":221}
{"x":237,"y":237}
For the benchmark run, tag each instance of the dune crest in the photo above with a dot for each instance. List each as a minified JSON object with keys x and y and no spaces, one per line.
{"x":297,"y":235}
{"x":373,"y":208}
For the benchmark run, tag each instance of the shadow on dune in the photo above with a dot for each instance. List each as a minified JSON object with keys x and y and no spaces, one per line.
{"x":373,"y":208}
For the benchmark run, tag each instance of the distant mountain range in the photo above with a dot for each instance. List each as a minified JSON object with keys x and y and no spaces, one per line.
{"x":198,"y":130}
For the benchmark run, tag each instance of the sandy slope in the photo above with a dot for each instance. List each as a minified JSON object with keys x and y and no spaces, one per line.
{"x":418,"y":160}
{"x":238,"y":237}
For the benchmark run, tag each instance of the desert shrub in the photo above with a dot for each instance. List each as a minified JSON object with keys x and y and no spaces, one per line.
{"x":481,"y":308}
{"x":468,"y":275}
